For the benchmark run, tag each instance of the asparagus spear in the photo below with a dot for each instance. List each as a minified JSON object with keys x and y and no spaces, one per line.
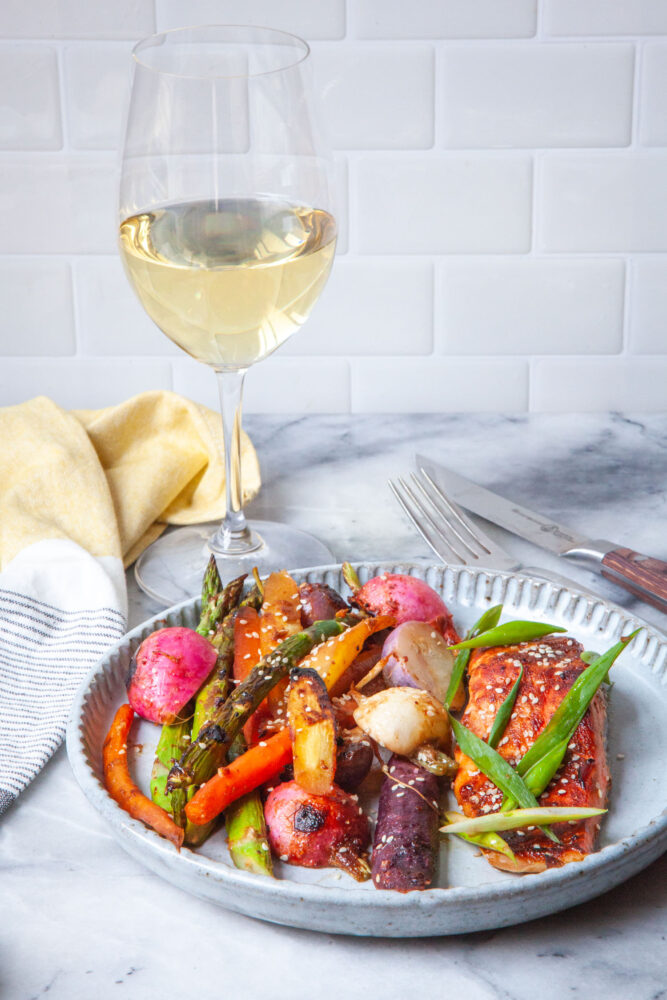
{"x":207,"y":753}
{"x":215,"y":690}
{"x":173,"y":741}
{"x":246,"y":827}
{"x":217,"y":603}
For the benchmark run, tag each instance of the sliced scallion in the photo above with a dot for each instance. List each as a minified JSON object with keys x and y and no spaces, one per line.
{"x":516,"y":819}
{"x":508,"y":634}
{"x":504,"y":712}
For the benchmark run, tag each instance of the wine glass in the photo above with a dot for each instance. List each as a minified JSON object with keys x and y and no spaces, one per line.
{"x":227,"y":236}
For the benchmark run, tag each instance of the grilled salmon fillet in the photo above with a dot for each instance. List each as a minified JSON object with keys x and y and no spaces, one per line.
{"x":550,"y":665}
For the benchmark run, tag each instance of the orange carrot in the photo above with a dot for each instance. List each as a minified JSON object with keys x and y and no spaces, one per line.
{"x":281,"y":617}
{"x":257,"y":765}
{"x":120,"y":786}
{"x":281,"y":611}
{"x":247,"y":654}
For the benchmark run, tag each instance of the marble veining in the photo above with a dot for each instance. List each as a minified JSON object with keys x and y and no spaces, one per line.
{"x":81,"y":919}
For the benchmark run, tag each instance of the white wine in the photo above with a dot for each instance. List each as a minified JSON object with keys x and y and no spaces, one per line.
{"x":230,"y":280}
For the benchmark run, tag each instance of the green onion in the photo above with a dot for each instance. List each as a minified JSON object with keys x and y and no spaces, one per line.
{"x":540,"y":774}
{"x":573,"y":707}
{"x":487,"y":841}
{"x":508,"y":634}
{"x":518,"y":818}
{"x":487,"y":621}
{"x":588,"y":656}
{"x":504,"y":713}
{"x":544,"y":758}
{"x":493,"y":765}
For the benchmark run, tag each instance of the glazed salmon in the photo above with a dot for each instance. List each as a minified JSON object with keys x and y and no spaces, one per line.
{"x":550,"y":665}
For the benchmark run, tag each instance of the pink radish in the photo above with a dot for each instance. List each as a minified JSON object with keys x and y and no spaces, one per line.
{"x":404,"y":597}
{"x":167,"y":670}
{"x":318,"y":831}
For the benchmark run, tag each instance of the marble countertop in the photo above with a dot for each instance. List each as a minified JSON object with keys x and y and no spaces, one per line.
{"x":80,"y":919}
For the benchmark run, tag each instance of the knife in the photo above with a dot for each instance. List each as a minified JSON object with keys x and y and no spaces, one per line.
{"x":642,"y":575}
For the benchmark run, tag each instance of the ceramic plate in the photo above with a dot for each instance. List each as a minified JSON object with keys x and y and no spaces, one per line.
{"x":470,"y":895}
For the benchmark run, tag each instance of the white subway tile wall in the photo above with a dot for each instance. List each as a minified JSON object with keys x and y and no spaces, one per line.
{"x":502,"y":175}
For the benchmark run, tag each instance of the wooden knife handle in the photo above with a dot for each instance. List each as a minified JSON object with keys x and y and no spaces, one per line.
{"x":642,"y":575}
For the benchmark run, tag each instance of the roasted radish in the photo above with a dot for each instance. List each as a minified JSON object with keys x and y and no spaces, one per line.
{"x":318,"y":831}
{"x":403,"y":597}
{"x":168,"y":668}
{"x":403,"y":718}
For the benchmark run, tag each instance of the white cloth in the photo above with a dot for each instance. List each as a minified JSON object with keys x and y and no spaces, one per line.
{"x":60,"y":609}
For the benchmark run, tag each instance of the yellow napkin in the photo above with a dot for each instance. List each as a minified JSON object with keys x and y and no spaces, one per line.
{"x":111,"y":479}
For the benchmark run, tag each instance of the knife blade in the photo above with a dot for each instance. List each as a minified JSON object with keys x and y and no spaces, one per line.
{"x":644,"y":576}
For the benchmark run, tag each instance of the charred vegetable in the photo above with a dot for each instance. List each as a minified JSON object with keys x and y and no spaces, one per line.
{"x":247,"y":654}
{"x":404,"y":598}
{"x":402,"y":718}
{"x":312,"y":730}
{"x":208,"y":751}
{"x":353,"y":762}
{"x":120,"y":786}
{"x":216,"y":688}
{"x":318,"y":831}
{"x":247,"y":772}
{"x":406,"y":834}
{"x":416,"y":655}
{"x":319,"y":603}
{"x":246,"y":829}
{"x":333,"y":658}
{"x":217,"y":603}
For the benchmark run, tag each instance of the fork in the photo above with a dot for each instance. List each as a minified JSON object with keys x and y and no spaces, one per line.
{"x":454,"y":537}
{"x":445,"y":528}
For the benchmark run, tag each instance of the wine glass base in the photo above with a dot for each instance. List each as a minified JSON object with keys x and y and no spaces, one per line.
{"x":171,"y":569}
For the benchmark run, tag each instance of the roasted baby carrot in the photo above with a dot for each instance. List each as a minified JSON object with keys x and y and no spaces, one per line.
{"x":120,"y":786}
{"x":257,"y":765}
{"x":247,"y":654}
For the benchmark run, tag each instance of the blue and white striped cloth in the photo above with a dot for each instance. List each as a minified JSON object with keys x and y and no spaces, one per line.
{"x":60,"y":609}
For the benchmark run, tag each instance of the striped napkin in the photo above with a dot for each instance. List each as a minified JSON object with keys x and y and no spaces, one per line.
{"x":81,"y":495}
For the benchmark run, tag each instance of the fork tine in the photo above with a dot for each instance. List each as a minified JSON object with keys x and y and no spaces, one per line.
{"x":440,"y":528}
{"x":446,"y":518}
{"x":418,"y":525}
{"x":454,"y":516}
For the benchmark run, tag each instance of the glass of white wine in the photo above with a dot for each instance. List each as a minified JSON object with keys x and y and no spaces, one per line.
{"x":227,"y":236}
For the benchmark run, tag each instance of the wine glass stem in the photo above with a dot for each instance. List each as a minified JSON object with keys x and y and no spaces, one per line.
{"x":233,"y":535}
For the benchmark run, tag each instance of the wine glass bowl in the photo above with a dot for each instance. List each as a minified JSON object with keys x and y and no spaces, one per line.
{"x":227,"y":235}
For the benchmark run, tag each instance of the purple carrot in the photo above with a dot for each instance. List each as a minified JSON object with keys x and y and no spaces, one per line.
{"x":406,"y":834}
